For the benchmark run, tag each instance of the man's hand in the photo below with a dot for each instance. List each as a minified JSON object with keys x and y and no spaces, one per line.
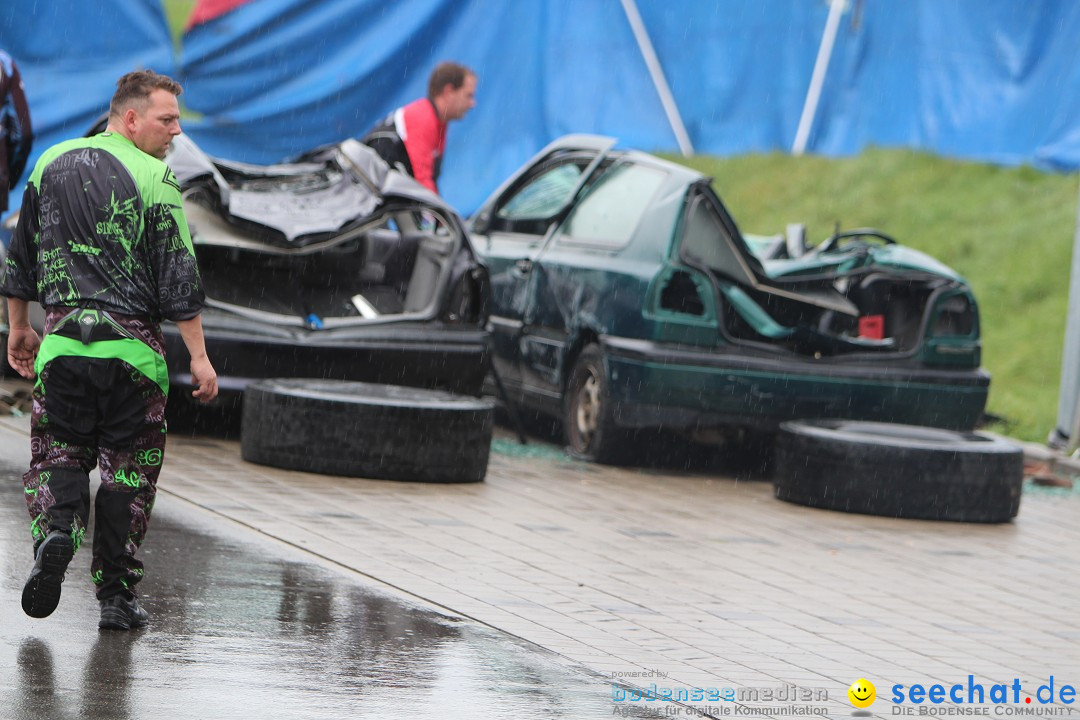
{"x":23,"y":341}
{"x":22,"y":349}
{"x":202,"y":372}
{"x":203,"y":375}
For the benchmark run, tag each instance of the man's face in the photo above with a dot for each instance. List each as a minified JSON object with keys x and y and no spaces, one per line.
{"x":462,"y":100}
{"x":153,"y":129}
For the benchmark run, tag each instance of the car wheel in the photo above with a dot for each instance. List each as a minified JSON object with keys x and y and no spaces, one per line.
{"x":898,"y":470}
{"x":366,"y":430}
{"x":588,"y":418}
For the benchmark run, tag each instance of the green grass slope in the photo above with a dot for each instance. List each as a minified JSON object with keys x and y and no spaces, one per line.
{"x":1009,"y":231}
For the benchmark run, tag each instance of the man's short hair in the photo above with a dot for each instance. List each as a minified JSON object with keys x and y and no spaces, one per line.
{"x":135,"y":87}
{"x":447,"y":73}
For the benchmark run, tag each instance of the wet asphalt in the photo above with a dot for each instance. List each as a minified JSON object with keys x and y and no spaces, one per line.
{"x":243,"y":627}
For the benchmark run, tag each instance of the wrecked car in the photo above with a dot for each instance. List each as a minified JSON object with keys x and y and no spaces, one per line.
{"x":624,"y":297}
{"x":332,"y":266}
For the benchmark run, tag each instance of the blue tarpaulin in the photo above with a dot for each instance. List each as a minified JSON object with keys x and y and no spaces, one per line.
{"x":70,"y":55}
{"x":991,"y":80}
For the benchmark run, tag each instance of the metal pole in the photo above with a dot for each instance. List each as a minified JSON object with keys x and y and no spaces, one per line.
{"x":657,"y":73}
{"x":817,"y":79}
{"x":1068,"y":407}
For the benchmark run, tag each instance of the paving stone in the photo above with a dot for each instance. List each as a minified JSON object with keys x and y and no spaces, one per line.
{"x":708,"y":580}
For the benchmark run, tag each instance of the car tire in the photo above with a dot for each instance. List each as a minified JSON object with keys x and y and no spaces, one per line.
{"x":366,"y":430}
{"x":6,"y":371}
{"x":588,"y":414}
{"x":901,"y":471}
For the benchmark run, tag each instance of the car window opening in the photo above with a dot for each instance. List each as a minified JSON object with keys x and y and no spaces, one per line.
{"x":612,"y":207}
{"x":680,"y":295}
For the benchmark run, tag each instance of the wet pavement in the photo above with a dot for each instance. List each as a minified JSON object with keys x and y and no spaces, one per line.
{"x":686,"y":582}
{"x":242,"y":627}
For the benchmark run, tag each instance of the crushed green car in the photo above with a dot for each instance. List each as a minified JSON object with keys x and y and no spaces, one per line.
{"x":624,"y":297}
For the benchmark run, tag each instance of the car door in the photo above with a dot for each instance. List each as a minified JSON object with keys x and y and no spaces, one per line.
{"x":509,"y":231}
{"x":515,"y":233}
{"x":580,"y":279}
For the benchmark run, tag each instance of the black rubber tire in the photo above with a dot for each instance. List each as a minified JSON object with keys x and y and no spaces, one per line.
{"x":366,"y":430}
{"x":588,"y":413}
{"x":900,"y":471}
{"x":6,"y":370}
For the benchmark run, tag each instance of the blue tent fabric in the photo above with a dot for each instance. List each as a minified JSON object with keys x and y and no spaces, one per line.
{"x":541,"y":74}
{"x":306,"y":74}
{"x":738,"y":71}
{"x":991,"y":80}
{"x":71,"y":54}
{"x":998,"y":81}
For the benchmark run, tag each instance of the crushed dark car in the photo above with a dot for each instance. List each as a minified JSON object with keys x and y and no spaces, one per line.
{"x":624,"y":297}
{"x":331,"y":266}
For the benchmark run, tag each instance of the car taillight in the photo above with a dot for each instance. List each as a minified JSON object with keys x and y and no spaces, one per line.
{"x":955,"y":317}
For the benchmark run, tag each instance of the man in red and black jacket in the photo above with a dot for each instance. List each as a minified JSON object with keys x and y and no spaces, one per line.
{"x":413,"y":137}
{"x":16,"y":134}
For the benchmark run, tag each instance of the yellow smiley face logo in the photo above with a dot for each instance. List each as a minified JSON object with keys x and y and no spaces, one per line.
{"x":862,"y":693}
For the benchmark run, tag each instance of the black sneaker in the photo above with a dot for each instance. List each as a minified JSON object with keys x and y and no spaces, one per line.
{"x":119,"y":613}
{"x":41,"y":594}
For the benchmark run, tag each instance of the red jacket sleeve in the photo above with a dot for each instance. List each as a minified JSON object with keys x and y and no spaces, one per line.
{"x":424,"y":140}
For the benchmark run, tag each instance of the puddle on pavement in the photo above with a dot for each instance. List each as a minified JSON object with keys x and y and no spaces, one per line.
{"x":242,"y":627}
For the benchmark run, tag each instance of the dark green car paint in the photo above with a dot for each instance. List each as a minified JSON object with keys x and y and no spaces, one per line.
{"x":675,"y":365}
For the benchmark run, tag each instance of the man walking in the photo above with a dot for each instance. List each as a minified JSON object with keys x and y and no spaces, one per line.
{"x":103,"y":245}
{"x":413,"y":137}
